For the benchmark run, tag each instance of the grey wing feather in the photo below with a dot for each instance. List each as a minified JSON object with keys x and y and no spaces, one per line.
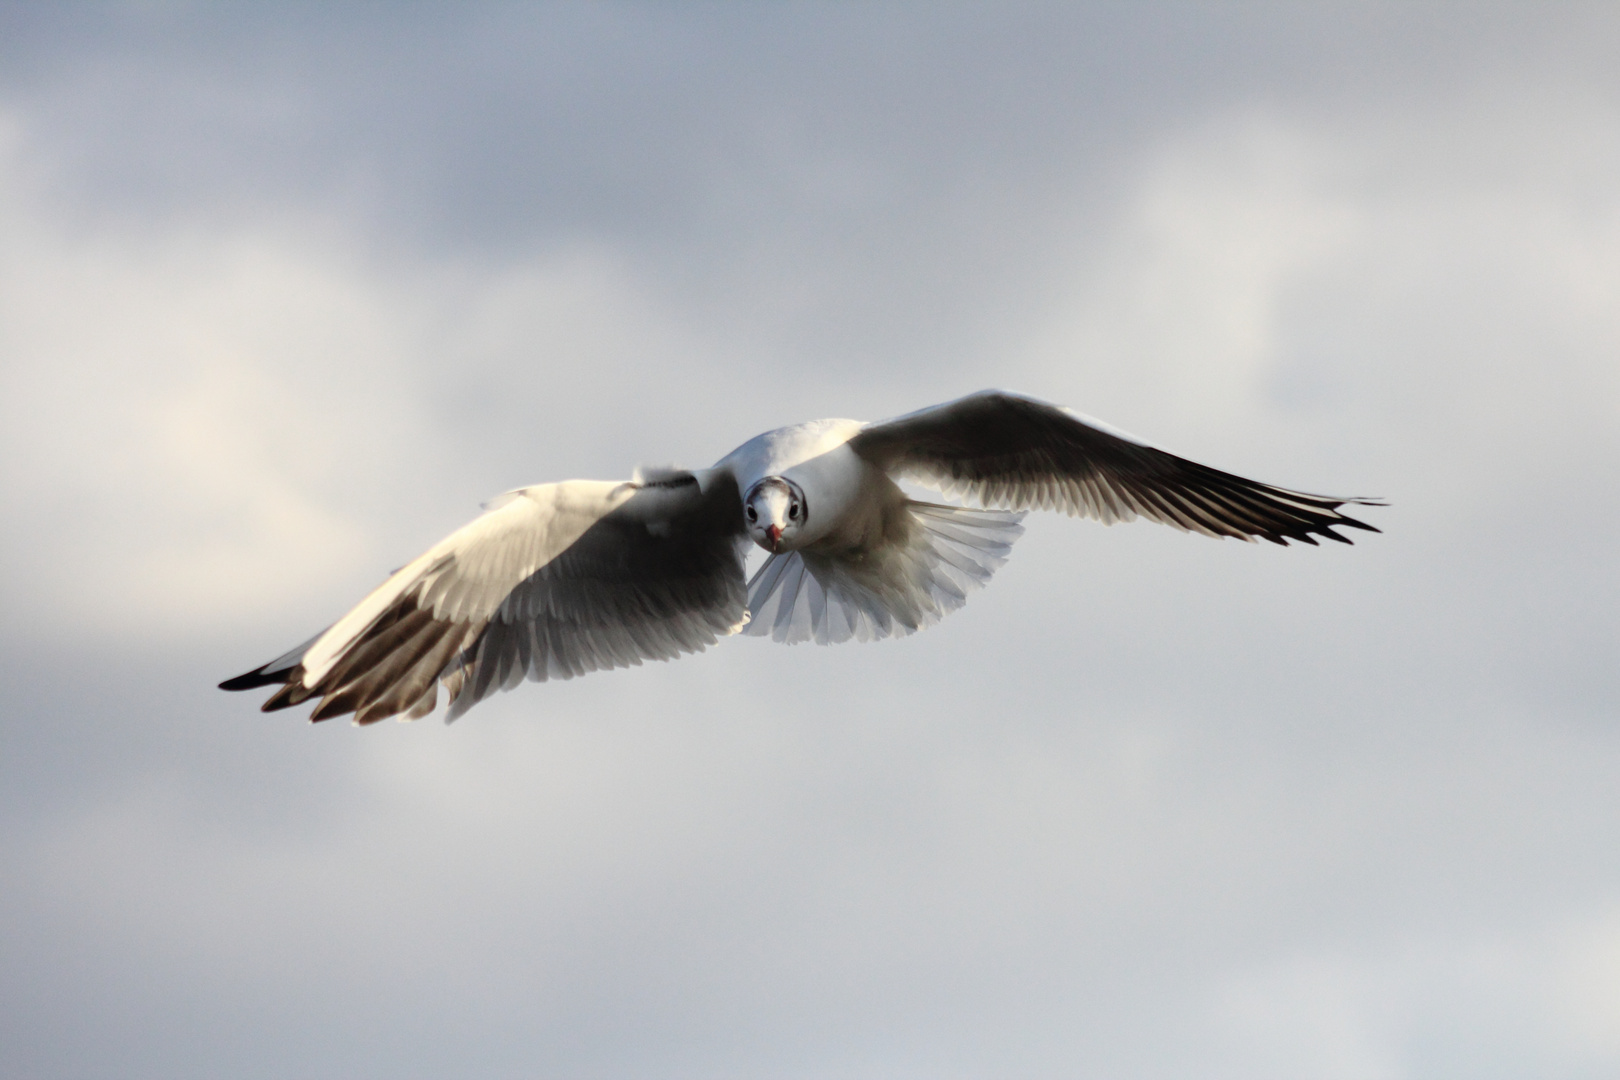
{"x":579,"y":577}
{"x":620,"y":595}
{"x":1003,"y":450}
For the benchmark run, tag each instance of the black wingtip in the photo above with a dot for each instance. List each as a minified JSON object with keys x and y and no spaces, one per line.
{"x":252,"y":680}
{"x":1348,"y":522}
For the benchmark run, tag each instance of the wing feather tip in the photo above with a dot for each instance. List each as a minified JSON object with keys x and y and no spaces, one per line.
{"x":250,"y":680}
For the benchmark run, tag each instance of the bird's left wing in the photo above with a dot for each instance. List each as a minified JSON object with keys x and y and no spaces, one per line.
{"x":552,"y":581}
{"x":1008,"y":451}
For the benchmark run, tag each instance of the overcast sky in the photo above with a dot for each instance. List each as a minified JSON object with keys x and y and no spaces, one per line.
{"x":285,"y":292}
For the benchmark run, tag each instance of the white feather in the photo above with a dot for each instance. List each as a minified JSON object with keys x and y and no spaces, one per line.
{"x":521,"y":531}
{"x":809,"y":596}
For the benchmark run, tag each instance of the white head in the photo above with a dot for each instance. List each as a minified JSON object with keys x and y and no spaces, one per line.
{"x":775,"y":511}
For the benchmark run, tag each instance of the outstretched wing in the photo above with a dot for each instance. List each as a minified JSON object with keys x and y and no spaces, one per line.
{"x":1002,"y":450}
{"x":551,"y":582}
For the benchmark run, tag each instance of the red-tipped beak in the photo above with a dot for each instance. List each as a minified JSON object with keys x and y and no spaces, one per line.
{"x":773,"y":533}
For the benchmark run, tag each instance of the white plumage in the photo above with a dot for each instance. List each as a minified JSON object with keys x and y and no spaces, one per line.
{"x":558,"y":580}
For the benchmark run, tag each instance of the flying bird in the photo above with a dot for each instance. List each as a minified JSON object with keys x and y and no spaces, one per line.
{"x":557,"y":580}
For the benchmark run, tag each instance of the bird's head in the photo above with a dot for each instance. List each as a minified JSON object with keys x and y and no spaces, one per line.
{"x":775,"y":510}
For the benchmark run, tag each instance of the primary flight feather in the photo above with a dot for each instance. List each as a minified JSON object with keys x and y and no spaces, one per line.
{"x":558,"y":580}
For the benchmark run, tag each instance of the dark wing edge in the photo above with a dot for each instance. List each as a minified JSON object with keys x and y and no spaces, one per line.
{"x":660,"y":576}
{"x":1005,"y":451}
{"x":275,"y":672}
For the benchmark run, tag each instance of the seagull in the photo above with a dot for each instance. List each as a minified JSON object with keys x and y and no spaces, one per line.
{"x":558,"y":580}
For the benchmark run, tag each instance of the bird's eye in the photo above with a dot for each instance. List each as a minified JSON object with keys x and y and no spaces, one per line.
{"x":753,"y":515}
{"x":793,"y":512}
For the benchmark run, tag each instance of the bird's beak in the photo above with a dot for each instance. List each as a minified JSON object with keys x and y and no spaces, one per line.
{"x":773,"y":533}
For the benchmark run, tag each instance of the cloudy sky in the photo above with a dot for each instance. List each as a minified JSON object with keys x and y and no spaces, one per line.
{"x":284,"y":294}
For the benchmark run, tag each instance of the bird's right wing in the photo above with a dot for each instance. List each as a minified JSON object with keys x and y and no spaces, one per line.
{"x":1004,"y":450}
{"x":552,"y":581}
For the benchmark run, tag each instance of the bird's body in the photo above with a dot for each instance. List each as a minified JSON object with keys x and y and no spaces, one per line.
{"x":816,"y":457}
{"x":557,"y":580}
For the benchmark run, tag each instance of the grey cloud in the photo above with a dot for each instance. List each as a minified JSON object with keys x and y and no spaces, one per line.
{"x":282,"y":296}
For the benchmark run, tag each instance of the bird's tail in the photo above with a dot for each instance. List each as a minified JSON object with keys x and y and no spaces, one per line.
{"x":810,"y":596}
